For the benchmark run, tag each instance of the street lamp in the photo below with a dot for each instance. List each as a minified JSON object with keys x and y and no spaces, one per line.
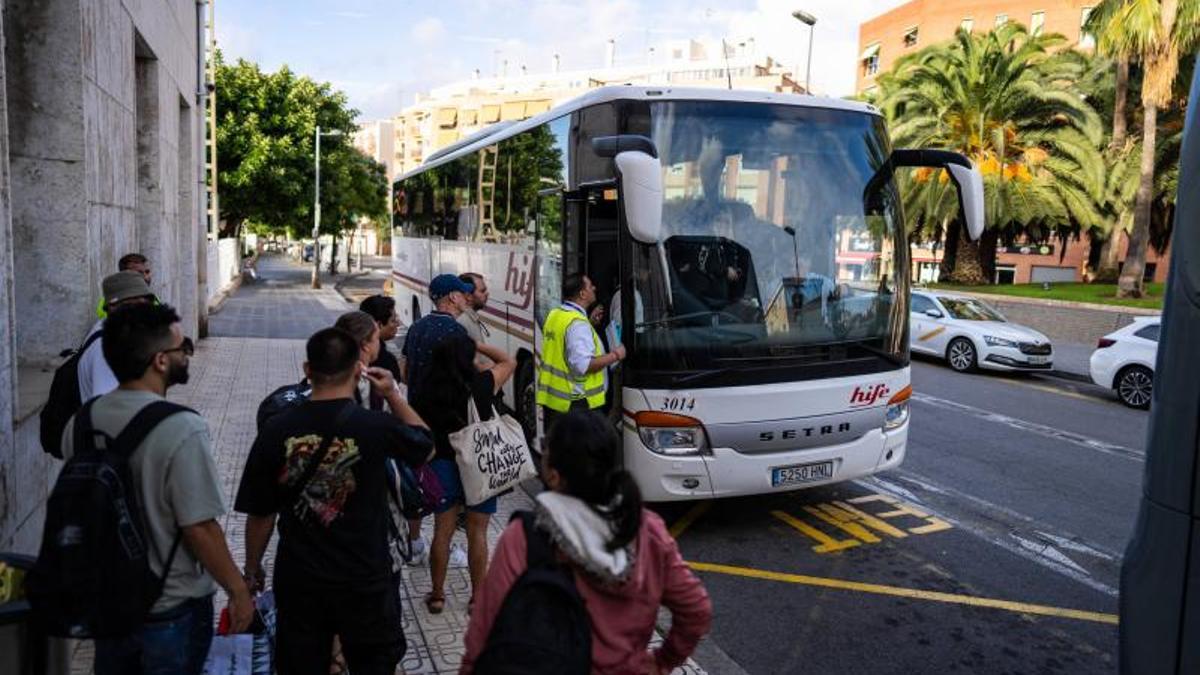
{"x":810,"y":20}
{"x":316,"y":274}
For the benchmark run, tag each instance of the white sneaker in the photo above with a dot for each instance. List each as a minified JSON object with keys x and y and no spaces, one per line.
{"x":458,"y":557}
{"x":419,"y":552}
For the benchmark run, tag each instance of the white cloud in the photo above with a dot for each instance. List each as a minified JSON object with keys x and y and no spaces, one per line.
{"x":352,"y":15}
{"x":429,"y":30}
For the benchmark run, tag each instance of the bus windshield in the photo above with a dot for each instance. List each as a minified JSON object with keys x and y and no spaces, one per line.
{"x":772,"y":254}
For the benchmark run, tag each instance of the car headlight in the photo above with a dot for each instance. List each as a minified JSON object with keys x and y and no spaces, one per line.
{"x":897,"y":410}
{"x":670,"y":434}
{"x":994,"y":341}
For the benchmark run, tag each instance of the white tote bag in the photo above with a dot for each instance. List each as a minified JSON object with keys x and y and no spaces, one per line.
{"x":492,"y":455}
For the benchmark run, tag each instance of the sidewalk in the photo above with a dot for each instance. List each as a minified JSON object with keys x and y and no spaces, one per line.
{"x":230,"y":375}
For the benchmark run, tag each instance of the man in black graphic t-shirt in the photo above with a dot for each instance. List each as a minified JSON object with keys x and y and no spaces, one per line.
{"x":333,"y":572}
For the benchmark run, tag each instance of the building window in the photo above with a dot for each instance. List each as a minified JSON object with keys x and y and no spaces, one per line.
{"x":1086,"y":39}
{"x":910,"y":37}
{"x":870,"y":60}
{"x":967,"y":25}
{"x":1037,"y":23}
{"x":1001,"y":19}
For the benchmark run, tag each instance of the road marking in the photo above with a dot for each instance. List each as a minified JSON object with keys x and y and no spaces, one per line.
{"x":916,"y":594}
{"x":864,"y":527}
{"x":1034,"y":428}
{"x":1051,"y":389}
{"x":1000,"y":533}
{"x":680,"y":526}
{"x":825,"y":543}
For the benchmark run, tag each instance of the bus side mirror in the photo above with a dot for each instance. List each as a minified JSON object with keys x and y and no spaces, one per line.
{"x":642,"y":195}
{"x":640,"y":177}
{"x":963,"y":172}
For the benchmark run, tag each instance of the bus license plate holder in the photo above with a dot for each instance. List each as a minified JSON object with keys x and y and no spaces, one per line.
{"x":798,"y":474}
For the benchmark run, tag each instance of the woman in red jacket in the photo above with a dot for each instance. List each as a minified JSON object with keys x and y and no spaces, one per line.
{"x":626,"y":563}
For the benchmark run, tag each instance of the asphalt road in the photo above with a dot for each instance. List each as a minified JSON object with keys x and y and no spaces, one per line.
{"x":994,"y":548}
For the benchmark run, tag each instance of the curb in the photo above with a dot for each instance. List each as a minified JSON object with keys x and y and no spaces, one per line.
{"x":346,"y":278}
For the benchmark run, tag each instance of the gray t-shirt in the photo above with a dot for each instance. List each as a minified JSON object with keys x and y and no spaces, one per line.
{"x":178,"y":481}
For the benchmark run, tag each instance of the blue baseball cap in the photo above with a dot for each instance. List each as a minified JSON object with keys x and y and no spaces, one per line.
{"x":445,"y":284}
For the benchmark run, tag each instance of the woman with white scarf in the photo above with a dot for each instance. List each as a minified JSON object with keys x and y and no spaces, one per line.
{"x":625,"y":562}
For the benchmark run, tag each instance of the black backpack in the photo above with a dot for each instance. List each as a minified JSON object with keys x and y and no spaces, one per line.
{"x":281,"y":400}
{"x":92,"y":578}
{"x":543,"y":625}
{"x":64,"y":398}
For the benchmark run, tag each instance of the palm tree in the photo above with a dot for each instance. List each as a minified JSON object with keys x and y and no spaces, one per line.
{"x":1005,"y":100}
{"x":1154,"y":33}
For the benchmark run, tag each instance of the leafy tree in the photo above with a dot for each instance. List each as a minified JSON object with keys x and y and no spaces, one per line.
{"x":265,"y":128}
{"x":1152,"y":33}
{"x":353,"y":189}
{"x":1007,"y":100}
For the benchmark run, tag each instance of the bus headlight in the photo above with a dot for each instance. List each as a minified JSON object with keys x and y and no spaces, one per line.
{"x":897,"y":410}
{"x":670,"y":434}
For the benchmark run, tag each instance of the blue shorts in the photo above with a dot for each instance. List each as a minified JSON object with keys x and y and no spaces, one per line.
{"x":452,"y":489}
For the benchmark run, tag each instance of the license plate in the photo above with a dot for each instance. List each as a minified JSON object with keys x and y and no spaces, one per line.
{"x":1039,"y":360}
{"x":801,"y":473}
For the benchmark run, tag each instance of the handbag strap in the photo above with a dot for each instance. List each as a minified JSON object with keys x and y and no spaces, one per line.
{"x":322,"y":450}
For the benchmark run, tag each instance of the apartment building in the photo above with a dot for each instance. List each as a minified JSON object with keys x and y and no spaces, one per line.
{"x":457,"y":110}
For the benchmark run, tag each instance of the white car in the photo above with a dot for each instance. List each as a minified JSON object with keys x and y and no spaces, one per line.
{"x":970,"y":334}
{"x":1124,"y":361}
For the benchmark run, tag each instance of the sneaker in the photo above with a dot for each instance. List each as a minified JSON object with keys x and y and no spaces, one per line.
{"x":418,"y":552}
{"x":458,"y":557}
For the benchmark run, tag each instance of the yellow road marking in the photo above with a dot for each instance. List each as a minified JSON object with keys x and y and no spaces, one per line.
{"x":1049,"y":389}
{"x":932,"y":334}
{"x":843,"y":521}
{"x":680,"y":526}
{"x":933,"y":524}
{"x":825,"y":543}
{"x":932,"y":596}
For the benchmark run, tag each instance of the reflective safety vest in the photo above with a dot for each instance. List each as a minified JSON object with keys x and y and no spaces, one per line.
{"x":557,"y":386}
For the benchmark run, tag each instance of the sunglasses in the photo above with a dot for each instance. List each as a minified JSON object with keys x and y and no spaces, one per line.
{"x":187,"y":347}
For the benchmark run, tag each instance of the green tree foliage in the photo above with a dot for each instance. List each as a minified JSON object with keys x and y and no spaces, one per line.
{"x":265,"y":153}
{"x":1007,"y":100}
{"x":1153,"y":34}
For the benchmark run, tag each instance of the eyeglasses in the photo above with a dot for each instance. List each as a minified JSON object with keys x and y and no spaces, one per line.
{"x":187,"y":347}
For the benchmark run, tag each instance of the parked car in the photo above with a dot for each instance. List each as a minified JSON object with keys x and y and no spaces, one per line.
{"x":970,"y":334}
{"x":307,"y":255}
{"x":1124,"y":361}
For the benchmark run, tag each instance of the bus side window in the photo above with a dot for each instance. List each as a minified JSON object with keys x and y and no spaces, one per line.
{"x":549,"y":246}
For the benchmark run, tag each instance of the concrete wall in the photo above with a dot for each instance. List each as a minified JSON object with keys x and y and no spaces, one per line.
{"x":1073,"y":322}
{"x":224,"y":265}
{"x":98,"y":152}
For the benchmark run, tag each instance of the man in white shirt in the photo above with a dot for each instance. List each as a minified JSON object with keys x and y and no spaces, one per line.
{"x":95,"y":375}
{"x":470,"y":319}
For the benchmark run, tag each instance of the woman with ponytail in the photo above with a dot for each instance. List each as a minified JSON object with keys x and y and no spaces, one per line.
{"x":625,"y":562}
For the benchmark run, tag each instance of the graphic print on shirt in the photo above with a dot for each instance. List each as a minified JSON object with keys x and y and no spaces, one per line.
{"x":325,"y":495}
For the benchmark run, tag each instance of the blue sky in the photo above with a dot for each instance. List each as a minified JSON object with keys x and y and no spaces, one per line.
{"x":381,"y":52}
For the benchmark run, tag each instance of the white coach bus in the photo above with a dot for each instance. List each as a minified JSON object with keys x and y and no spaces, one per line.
{"x":758,"y":246}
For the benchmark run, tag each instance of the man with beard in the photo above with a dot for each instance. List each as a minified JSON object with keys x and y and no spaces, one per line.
{"x":180,"y":493}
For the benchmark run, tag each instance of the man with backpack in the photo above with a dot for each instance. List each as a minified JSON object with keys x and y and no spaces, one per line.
{"x":135,"y":569}
{"x":321,"y":467}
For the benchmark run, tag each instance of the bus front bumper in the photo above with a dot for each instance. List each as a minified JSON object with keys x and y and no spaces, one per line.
{"x":725,"y":472}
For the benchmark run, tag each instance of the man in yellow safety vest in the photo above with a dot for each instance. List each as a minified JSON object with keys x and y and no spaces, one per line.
{"x":572,"y":375}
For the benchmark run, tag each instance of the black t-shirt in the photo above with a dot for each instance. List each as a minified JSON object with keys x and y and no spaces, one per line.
{"x":388,"y":362}
{"x":336,"y":533}
{"x":447,"y":417}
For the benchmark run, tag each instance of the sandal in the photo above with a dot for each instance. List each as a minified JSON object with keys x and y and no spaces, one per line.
{"x":435,"y":602}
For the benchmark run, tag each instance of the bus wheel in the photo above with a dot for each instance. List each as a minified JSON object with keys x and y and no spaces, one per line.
{"x":525,"y":392}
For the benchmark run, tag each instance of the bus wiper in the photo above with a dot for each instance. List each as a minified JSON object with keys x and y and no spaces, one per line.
{"x":701,"y":375}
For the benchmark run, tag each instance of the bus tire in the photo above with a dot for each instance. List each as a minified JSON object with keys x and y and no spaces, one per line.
{"x":525,"y":393}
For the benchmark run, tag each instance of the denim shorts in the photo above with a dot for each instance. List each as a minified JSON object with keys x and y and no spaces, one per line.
{"x":174,"y":642}
{"x":452,"y":488}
